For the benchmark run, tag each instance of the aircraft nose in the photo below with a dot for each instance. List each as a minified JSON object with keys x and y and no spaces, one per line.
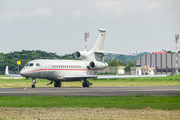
{"x":22,"y":72}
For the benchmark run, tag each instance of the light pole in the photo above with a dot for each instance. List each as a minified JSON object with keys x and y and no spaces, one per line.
{"x":176,"y":40}
{"x":86,"y":35}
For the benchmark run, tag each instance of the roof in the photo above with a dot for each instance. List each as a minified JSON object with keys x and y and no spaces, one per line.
{"x":159,"y":52}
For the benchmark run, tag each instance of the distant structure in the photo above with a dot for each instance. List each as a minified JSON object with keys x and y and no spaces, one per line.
{"x":86,"y":35}
{"x":164,"y":63}
{"x":176,"y":40}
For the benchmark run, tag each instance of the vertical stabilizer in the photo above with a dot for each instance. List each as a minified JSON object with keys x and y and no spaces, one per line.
{"x":99,"y":45}
{"x":7,"y":70}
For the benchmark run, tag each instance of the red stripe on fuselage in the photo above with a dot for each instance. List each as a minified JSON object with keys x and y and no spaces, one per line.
{"x":56,"y":70}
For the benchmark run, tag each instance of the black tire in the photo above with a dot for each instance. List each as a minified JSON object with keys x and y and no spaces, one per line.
{"x":83,"y":84}
{"x":33,"y":86}
{"x":57,"y":84}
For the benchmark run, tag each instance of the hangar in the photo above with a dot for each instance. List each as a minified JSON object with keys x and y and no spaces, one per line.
{"x":164,"y":63}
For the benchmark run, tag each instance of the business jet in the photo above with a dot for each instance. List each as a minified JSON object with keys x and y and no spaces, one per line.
{"x":88,"y":64}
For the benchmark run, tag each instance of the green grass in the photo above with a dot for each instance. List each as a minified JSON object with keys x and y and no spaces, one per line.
{"x":151,"y":81}
{"x":125,"y":102}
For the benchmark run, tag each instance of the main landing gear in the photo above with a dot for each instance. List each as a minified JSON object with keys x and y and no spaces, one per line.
{"x":34,"y":82}
{"x":86,"y":83}
{"x":57,"y":83}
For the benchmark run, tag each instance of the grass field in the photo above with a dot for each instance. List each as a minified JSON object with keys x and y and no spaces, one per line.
{"x":126,"y":107}
{"x":117,"y":107}
{"x":123,"y":102}
{"x":154,"y":81}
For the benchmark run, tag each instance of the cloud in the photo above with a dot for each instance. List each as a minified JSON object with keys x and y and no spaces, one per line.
{"x":40,"y":13}
{"x":10,"y":15}
{"x":76,"y":13}
{"x":110,"y":7}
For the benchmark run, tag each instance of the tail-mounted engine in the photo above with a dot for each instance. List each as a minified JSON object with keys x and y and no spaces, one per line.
{"x":97,"y":65}
{"x":81,"y":55}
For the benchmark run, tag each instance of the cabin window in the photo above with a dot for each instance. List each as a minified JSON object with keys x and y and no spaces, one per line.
{"x":27,"y":64}
{"x":31,"y":64}
{"x":37,"y":64}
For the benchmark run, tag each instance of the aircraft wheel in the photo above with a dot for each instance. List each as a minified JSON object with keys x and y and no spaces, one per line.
{"x":33,"y":86}
{"x":86,"y":84}
{"x":57,"y":84}
{"x":83,"y":84}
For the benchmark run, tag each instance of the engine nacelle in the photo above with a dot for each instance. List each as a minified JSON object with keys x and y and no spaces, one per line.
{"x":97,"y":65}
{"x":81,"y":55}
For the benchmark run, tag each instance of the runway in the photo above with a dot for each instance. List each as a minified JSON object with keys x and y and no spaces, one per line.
{"x":93,"y":91}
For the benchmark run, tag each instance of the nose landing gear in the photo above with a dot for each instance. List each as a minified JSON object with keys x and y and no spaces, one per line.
{"x":34,"y":82}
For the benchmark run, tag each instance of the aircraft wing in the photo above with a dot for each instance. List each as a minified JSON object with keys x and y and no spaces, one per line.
{"x":12,"y":75}
{"x":109,"y":76}
{"x":80,"y":76}
{"x":105,"y":52}
{"x":128,"y":76}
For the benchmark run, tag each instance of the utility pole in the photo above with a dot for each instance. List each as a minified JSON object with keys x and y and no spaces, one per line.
{"x":176,"y":40}
{"x":86,"y":35}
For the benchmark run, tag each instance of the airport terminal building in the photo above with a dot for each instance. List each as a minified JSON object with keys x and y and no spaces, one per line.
{"x":164,"y":63}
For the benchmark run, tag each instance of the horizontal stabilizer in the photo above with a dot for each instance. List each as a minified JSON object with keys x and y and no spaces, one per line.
{"x":105,"y":52}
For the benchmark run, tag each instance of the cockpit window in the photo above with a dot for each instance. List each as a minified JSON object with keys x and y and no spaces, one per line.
{"x":31,"y":64}
{"x":27,"y":64}
{"x":37,"y":64}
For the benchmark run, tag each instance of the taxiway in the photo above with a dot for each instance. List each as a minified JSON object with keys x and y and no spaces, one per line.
{"x":93,"y":91}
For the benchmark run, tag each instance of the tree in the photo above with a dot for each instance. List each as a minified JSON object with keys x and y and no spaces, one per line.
{"x":128,"y":66}
{"x":115,"y":62}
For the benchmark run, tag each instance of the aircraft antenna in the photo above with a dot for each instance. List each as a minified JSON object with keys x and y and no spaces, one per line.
{"x":86,"y":35}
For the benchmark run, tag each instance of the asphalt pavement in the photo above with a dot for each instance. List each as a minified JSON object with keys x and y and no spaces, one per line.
{"x":93,"y":91}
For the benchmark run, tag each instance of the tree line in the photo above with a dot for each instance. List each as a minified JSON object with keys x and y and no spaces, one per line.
{"x":10,"y":59}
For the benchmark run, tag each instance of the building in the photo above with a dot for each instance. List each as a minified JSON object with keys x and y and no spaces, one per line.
{"x":136,"y":70}
{"x":164,"y":63}
{"x":114,"y":70}
{"x":146,"y":70}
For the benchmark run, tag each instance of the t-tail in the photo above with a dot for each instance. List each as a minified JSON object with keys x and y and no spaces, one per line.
{"x":97,"y":53}
{"x":99,"y":45}
{"x":93,"y":54}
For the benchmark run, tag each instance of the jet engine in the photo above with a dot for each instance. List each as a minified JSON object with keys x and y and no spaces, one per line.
{"x":97,"y":65}
{"x":81,"y":55}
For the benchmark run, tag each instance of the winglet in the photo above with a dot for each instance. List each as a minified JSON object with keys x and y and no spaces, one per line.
{"x":7,"y":70}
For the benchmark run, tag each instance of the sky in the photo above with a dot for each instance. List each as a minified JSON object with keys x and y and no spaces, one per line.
{"x":58,"y":26}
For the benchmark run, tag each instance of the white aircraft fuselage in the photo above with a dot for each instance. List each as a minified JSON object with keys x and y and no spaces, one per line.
{"x":60,"y":70}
